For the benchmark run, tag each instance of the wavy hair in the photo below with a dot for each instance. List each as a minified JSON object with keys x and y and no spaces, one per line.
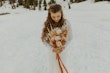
{"x":49,"y":22}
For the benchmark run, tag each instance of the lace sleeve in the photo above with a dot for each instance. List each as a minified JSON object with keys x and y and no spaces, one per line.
{"x":70,"y":35}
{"x":46,"y":44}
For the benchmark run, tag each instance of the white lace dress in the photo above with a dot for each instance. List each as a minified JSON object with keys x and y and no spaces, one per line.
{"x":52,"y":62}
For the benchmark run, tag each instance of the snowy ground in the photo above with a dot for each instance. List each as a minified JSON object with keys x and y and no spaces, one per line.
{"x":21,"y":49}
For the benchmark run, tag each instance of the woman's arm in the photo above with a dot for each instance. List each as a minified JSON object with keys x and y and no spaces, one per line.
{"x":69,"y":29}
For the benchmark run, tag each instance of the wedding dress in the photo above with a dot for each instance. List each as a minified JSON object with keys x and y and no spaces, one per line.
{"x":53,"y":66}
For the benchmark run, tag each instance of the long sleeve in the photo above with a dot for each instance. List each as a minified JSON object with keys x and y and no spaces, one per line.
{"x":70,"y":35}
{"x":46,"y":44}
{"x":68,"y":38}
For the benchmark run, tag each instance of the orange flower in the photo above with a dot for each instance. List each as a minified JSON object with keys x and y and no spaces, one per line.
{"x":57,"y":37}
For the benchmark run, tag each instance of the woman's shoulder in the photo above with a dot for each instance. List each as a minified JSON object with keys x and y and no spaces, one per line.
{"x":66,"y":22}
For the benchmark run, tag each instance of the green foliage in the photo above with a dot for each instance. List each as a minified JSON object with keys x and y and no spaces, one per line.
{"x":77,"y":1}
{"x":26,"y":5}
{"x":45,"y":5}
{"x":32,"y":4}
{"x":101,"y":0}
{"x":69,"y":6}
{"x":1,"y":3}
{"x":52,"y":2}
{"x":40,"y":2}
{"x":71,"y":1}
{"x":20,"y":2}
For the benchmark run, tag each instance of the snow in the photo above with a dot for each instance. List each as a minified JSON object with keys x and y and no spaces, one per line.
{"x":22,"y":51}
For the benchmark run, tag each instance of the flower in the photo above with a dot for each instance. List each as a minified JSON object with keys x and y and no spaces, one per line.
{"x":58,"y":31}
{"x":57,"y":37}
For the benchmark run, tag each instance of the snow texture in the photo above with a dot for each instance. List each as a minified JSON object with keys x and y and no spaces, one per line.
{"x":22,"y":51}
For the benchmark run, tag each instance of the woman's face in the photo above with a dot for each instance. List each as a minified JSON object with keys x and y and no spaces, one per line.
{"x":56,"y":16}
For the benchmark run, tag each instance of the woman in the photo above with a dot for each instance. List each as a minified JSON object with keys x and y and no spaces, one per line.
{"x":55,"y":19}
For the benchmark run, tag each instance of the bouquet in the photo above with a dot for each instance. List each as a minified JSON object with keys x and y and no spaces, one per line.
{"x":57,"y":39}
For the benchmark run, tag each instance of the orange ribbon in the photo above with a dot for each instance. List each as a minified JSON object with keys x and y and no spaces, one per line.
{"x":61,"y":65}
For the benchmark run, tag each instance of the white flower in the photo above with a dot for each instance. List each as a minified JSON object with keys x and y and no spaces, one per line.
{"x":57,"y":38}
{"x":53,"y":38}
{"x":58,"y":43}
{"x":58,"y":31}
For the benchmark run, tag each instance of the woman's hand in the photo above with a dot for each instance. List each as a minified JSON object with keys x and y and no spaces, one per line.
{"x":57,"y":50}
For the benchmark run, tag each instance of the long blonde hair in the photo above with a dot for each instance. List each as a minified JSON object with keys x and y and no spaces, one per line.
{"x":53,"y":8}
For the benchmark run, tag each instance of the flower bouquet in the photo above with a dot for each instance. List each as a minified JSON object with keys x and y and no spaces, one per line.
{"x":57,"y":39}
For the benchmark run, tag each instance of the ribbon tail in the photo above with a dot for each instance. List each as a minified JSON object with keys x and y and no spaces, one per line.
{"x":61,"y":64}
{"x":61,"y":69}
